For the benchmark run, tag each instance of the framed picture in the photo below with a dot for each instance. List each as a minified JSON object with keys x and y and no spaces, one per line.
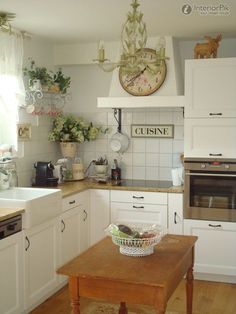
{"x":24,"y":131}
{"x":152,"y":130}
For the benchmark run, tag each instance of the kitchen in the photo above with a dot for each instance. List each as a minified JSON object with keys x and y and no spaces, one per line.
{"x":145,"y":159}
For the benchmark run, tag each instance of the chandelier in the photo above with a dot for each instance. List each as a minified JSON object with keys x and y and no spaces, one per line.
{"x":133,"y":41}
{"x":5,"y":19}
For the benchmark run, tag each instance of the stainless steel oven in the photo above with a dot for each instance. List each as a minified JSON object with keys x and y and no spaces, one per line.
{"x":210,"y":189}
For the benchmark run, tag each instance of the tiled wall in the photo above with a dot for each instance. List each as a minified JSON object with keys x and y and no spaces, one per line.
{"x":38,"y":148}
{"x":149,"y":159}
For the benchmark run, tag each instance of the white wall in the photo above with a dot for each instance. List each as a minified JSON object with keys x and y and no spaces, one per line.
{"x":38,"y":148}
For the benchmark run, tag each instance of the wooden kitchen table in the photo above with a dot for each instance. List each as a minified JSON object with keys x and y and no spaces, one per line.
{"x":102,"y":272}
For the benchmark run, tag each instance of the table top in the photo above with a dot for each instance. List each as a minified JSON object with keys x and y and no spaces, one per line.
{"x":104,"y":261}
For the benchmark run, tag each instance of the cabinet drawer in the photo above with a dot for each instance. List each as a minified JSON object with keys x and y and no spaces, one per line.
{"x":139,"y":197}
{"x":209,"y":138}
{"x":70,"y":202}
{"x":141,"y":213}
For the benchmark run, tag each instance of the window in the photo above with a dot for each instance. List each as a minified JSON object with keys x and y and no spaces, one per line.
{"x":12,"y":93}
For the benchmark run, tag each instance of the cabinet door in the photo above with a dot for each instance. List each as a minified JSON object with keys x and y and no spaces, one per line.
{"x":175,"y":213}
{"x":99,"y":214}
{"x":215,"y":248}
{"x":84,"y":228}
{"x":210,"y":88}
{"x":70,"y":235}
{"x":41,"y":261}
{"x":11,"y":274}
{"x":206,"y":138}
{"x":139,"y":213}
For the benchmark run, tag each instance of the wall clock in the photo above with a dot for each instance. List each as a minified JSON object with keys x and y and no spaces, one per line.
{"x":144,"y":82}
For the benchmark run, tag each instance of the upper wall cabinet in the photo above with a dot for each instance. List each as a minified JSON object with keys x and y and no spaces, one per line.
{"x":210,"y":88}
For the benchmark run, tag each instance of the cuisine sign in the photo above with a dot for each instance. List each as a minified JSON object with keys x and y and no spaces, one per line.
{"x":152,"y":130}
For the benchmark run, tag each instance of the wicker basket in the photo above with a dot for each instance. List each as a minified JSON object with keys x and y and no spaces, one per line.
{"x":138,"y":246}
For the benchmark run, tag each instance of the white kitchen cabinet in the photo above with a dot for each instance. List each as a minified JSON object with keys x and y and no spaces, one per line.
{"x":84,"y":220}
{"x":41,"y":259}
{"x":175,"y":213}
{"x":74,"y":227}
{"x":210,"y":88}
{"x":99,"y":214}
{"x":210,"y":138}
{"x":215,"y":254}
{"x":139,"y":207}
{"x":11,"y":274}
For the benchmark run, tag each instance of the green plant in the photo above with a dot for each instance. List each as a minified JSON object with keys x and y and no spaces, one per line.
{"x":101,"y":161}
{"x":38,"y":73}
{"x":62,"y":81}
{"x":69,"y":128}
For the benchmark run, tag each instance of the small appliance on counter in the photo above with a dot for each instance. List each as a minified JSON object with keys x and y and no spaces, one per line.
{"x":44,"y":174}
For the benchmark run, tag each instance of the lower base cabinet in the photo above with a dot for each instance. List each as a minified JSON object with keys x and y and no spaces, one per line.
{"x":41,"y":261}
{"x":99,"y":214}
{"x":175,"y":213}
{"x":215,"y":253}
{"x":11,"y":274}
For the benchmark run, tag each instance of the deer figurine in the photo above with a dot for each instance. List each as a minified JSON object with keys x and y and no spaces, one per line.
{"x":209,"y":49}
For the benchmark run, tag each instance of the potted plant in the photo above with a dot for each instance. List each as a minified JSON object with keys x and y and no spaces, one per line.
{"x":39,"y":77}
{"x":101,"y":165}
{"x":70,"y":130}
{"x":61,"y":81}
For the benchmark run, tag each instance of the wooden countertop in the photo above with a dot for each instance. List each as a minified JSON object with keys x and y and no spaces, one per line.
{"x":70,"y":188}
{"x":6,"y":213}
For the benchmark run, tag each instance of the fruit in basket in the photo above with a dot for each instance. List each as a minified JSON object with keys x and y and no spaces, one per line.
{"x":125,"y":229}
{"x":147,"y":234}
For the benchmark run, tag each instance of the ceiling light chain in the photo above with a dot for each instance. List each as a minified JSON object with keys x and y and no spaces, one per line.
{"x":133,"y":40}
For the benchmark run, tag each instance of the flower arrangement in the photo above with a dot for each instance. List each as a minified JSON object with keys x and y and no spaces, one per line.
{"x":69,"y":128}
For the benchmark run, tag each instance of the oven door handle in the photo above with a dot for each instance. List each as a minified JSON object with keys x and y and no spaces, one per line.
{"x":210,"y":174}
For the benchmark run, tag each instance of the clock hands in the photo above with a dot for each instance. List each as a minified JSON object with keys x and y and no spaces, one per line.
{"x":136,"y":76}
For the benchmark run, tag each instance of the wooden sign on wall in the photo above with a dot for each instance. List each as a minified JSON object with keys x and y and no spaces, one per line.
{"x":152,"y":130}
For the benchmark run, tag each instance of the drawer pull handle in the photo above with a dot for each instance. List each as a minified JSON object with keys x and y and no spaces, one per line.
{"x":138,"y":206}
{"x":28,"y":243}
{"x":138,"y":197}
{"x":72,"y":202}
{"x":215,"y":114}
{"x":215,"y":154}
{"x":214,"y":226}
{"x":63,"y":226}
{"x":175,"y":216}
{"x":86,"y":215}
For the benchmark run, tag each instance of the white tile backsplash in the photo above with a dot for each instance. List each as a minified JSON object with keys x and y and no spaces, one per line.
{"x":150,"y":158}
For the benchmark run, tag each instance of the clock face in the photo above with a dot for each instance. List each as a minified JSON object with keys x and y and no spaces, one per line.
{"x":144,"y":82}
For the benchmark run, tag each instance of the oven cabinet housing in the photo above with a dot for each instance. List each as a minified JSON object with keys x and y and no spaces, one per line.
{"x":41,"y":259}
{"x":175,"y":213}
{"x":210,"y":138}
{"x":11,"y":275}
{"x":210,"y":88}
{"x":215,"y":253}
{"x":139,"y":207}
{"x":99,"y":214}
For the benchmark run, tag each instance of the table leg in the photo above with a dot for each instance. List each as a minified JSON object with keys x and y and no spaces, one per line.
{"x":123,"y":308}
{"x":189,"y":290}
{"x":74,"y":295}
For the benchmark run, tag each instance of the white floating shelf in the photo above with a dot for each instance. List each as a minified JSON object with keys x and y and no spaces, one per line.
{"x":141,"y":102}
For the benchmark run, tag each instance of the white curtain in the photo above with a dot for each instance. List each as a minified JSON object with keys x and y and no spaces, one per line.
{"x":12,"y":92}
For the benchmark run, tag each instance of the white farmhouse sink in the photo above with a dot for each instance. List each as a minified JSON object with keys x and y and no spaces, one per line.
{"x":39,"y":204}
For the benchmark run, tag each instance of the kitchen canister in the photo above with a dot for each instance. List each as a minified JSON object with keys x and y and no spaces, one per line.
{"x":78,"y":171}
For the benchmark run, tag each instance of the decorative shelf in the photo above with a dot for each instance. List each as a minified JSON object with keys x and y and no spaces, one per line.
{"x":40,"y":102}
